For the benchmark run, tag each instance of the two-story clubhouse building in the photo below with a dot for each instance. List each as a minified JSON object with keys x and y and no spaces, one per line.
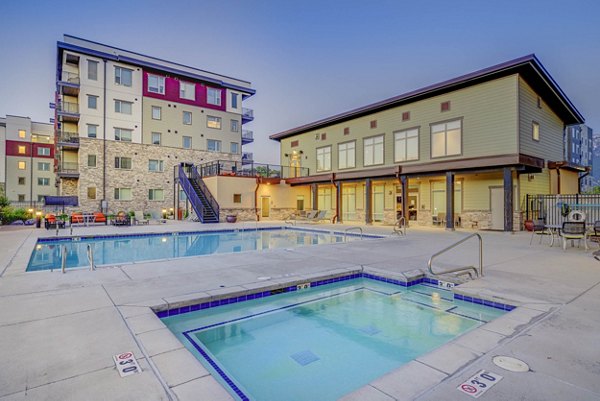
{"x":489,"y":138}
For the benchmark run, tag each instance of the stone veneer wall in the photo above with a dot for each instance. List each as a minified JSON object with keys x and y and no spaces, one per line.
{"x":242,"y":214}
{"x":139,"y":178}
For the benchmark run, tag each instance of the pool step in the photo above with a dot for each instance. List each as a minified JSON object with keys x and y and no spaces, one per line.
{"x":429,"y":300}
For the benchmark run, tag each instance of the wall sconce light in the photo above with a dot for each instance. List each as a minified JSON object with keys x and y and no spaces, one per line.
{"x":301,"y":152}
{"x":530,"y":177}
{"x":286,"y":155}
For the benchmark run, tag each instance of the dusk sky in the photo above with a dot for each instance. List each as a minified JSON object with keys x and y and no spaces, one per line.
{"x":308,"y":59}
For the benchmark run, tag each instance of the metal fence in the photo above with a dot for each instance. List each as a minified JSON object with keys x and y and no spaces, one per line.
{"x":226,"y":167}
{"x":554,"y":209}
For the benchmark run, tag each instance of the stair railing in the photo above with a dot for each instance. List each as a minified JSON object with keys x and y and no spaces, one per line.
{"x":211,"y":200}
{"x":191,"y":194}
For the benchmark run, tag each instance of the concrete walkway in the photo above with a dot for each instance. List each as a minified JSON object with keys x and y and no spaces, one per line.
{"x":58,"y":332}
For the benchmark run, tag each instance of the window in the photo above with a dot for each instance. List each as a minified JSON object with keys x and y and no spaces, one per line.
{"x":234,"y":100}
{"x":213,"y":122}
{"x":535,"y":131}
{"x":300,"y":202}
{"x":91,"y":160}
{"x":43,"y":181}
{"x":92,"y":131}
{"x":21,"y":198}
{"x":123,"y":107}
{"x":187,"y":117}
{"x":235,"y":147}
{"x":40,"y":198}
{"x":123,"y":135}
{"x":235,"y":125}
{"x":92,"y":70}
{"x":123,"y":163}
{"x":446,"y":138}
{"x":187,"y":90}
{"x":22,"y":133}
{"x":123,"y":76}
{"x":324,"y":158}
{"x":91,"y":192}
{"x":22,"y":165}
{"x":156,"y":138}
{"x":187,"y":142}
{"x":21,"y":181}
{"x":237,"y":198}
{"x":123,"y":194}
{"x":213,"y":96}
{"x":156,"y":113}
{"x":347,"y":155}
{"x":213,"y":146}
{"x":92,"y":102}
{"x":43,"y":166}
{"x":155,"y":165}
{"x":406,"y":145}
{"x":156,"y":195}
{"x":373,"y":151}
{"x":21,"y":149}
{"x":43,"y":151}
{"x":156,"y":84}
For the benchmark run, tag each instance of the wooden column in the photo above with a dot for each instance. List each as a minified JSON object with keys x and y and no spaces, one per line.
{"x":404,"y":184}
{"x":368,"y":201}
{"x":450,"y":201}
{"x":315,"y":196}
{"x":508,"y":199}
{"x":338,"y":203}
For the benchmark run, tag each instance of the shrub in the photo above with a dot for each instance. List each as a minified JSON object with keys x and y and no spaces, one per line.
{"x":9,"y":214}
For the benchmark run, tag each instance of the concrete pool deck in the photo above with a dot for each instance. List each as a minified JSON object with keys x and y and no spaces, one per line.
{"x":58,"y":332}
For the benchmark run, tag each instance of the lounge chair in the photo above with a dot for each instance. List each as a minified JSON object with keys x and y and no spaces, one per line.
{"x":51,"y":222}
{"x":76,"y":217}
{"x":310,"y":216}
{"x":539,"y":227}
{"x":139,"y":218}
{"x":573,"y":230}
{"x":99,"y":218}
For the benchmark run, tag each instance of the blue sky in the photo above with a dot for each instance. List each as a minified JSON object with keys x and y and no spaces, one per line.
{"x":309,"y":59}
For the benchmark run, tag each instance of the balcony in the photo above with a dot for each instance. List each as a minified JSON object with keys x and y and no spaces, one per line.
{"x":68,"y":170}
{"x":68,"y":140}
{"x":250,"y":169}
{"x":247,"y":157}
{"x":247,"y":115}
{"x":67,"y":111}
{"x":69,"y":83}
{"x":247,"y":136}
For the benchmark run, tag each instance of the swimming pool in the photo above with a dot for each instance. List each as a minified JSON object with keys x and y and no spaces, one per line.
{"x":121,"y":249}
{"x":322,"y":343}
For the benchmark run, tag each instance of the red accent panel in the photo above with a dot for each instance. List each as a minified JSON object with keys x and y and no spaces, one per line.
{"x":172,"y":92}
{"x":12,"y":149}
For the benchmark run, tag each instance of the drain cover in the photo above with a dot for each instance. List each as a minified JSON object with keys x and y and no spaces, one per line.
{"x":304,"y":357}
{"x":510,"y":363}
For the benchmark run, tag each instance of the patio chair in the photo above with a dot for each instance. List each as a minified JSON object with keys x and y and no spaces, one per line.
{"x":539,"y":227}
{"x":121,"y":219}
{"x":139,"y":218}
{"x":50,"y":221}
{"x":99,"y":218}
{"x":439,"y":220}
{"x":310,"y":216}
{"x":76,"y":218}
{"x":573,"y":230}
{"x":576,"y":215}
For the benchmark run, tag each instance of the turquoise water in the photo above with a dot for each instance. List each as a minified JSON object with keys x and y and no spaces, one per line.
{"x":322,"y":343}
{"x":127,"y":249}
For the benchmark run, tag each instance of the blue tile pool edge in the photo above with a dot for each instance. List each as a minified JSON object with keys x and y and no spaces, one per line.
{"x":77,"y":238}
{"x":213,"y":303}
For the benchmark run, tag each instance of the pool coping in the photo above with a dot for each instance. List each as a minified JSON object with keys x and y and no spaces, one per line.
{"x":459,"y":349}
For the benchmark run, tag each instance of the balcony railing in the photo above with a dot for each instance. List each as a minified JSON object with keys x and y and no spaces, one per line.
{"x":247,"y":136}
{"x":231,"y":168}
{"x":247,"y":157}
{"x":67,"y":107}
{"x":247,"y":115}
{"x":70,"y":77}
{"x":70,"y":138}
{"x":68,"y":168}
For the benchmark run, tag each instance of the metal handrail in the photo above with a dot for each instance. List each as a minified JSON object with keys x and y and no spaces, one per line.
{"x":90,"y":255}
{"x":207,"y":194}
{"x":400,"y":226}
{"x":350,"y":229}
{"x":478,"y":273}
{"x":191,"y":194}
{"x":63,"y":264}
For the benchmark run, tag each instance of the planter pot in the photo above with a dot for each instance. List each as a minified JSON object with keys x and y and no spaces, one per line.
{"x":529,"y":225}
{"x":231,"y":218}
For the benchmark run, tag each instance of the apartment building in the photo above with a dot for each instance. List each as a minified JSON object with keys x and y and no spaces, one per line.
{"x":26,"y":159}
{"x":125,"y":121}
{"x":579,"y":150}
{"x":488,"y":138}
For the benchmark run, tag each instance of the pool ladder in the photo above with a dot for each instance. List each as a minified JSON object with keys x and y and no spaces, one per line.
{"x":90,"y":255}
{"x":464,"y":269}
{"x":346,"y":231}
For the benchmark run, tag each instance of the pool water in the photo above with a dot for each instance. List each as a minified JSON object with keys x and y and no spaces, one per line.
{"x":324,"y":342}
{"x":114,"y":250}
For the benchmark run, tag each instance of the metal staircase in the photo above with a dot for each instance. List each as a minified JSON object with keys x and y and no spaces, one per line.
{"x":202,"y":201}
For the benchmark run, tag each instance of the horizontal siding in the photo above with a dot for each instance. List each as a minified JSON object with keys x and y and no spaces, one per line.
{"x":488,"y":110}
{"x":550,"y":145}
{"x":477,"y":190}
